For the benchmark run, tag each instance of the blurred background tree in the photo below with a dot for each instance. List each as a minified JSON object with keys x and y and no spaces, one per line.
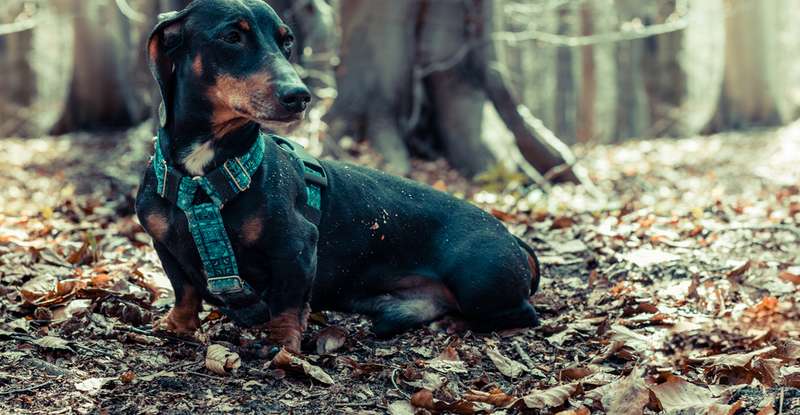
{"x":480,"y":82}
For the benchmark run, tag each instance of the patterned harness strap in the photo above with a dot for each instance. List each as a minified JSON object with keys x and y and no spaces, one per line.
{"x":240,"y":301}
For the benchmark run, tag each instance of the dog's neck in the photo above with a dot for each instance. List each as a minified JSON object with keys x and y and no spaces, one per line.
{"x":197,"y":144}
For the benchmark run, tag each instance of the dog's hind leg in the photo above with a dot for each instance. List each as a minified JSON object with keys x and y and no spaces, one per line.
{"x":416,"y":302}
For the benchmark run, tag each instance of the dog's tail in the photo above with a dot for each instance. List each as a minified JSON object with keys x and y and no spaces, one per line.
{"x":536,"y":271}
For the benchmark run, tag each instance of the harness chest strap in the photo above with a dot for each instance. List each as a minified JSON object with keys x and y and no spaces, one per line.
{"x":206,"y":224}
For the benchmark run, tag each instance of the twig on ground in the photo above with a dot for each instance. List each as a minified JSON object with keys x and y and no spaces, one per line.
{"x":394,"y":382}
{"x":158,"y":334}
{"x":28,"y":389}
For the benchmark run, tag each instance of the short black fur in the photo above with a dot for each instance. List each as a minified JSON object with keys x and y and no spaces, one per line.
{"x":396,"y":250}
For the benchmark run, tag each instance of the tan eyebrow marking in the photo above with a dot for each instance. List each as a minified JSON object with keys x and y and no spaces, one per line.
{"x":283,"y":30}
{"x":244,"y":25}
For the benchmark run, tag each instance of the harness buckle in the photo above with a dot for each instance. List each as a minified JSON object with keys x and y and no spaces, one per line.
{"x":233,"y":177}
{"x":231,"y":284}
{"x":166,"y":176}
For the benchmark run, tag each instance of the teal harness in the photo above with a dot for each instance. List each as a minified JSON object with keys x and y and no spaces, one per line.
{"x":239,"y":300}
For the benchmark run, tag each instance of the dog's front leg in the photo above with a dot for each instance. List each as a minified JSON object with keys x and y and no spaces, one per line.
{"x":289,"y":297}
{"x":183,"y":318}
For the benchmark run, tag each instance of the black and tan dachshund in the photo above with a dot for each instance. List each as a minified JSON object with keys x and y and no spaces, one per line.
{"x":398,"y":251}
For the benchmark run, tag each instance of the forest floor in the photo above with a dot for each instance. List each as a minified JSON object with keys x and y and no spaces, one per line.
{"x":678,"y":292}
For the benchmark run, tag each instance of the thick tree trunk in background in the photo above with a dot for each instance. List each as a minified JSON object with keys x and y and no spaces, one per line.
{"x":424,"y":68}
{"x":664,"y":79}
{"x":101,"y":94}
{"x":755,"y":88}
{"x":455,"y":92}
{"x":603,"y":20}
{"x":538,"y":145}
{"x":567,"y":76}
{"x":18,"y":83}
{"x":633,"y":114}
{"x":374,"y":76}
{"x":702,"y":62}
{"x":530,"y":64}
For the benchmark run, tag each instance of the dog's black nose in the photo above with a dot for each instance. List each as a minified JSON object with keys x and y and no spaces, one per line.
{"x":295,"y":98}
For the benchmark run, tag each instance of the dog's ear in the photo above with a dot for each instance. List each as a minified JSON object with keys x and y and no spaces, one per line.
{"x":165,"y":39}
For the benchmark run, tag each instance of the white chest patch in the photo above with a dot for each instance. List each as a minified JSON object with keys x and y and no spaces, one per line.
{"x":198,"y":158}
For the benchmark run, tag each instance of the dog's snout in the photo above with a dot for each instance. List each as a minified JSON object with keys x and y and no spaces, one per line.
{"x":295,"y":98}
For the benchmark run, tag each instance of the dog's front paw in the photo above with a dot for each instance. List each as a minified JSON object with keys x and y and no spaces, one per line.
{"x":286,"y":329}
{"x":177,"y":324}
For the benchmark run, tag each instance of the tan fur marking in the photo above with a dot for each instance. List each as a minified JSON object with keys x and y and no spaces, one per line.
{"x":237,"y":101}
{"x":152,"y":48}
{"x":197,"y":65}
{"x":286,"y":329}
{"x":244,"y":25}
{"x":283,"y":30}
{"x":157,"y":226}
{"x":251,"y":230}
{"x":534,"y":273}
{"x":183,"y":318}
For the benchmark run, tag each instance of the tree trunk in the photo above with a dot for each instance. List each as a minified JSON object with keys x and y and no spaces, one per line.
{"x":453,"y":90}
{"x":754,"y":88}
{"x":374,"y":76}
{"x":17,"y":86}
{"x":101,"y":94}
{"x":538,"y":145}
{"x":702,"y":62}
{"x":633,"y":114}
{"x":424,"y":69}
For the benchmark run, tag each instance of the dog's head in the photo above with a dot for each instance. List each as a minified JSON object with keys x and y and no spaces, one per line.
{"x":235,"y":54}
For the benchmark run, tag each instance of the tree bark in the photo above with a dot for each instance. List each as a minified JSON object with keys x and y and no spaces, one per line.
{"x":754,"y":88}
{"x":18,"y":85}
{"x":538,"y":145}
{"x":374,"y":76}
{"x":633,"y":114}
{"x":100,"y":93}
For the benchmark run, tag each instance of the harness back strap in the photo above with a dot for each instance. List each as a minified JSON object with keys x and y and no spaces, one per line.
{"x":240,"y":301}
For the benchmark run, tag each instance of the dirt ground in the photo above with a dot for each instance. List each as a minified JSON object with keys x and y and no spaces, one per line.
{"x":672,"y":287}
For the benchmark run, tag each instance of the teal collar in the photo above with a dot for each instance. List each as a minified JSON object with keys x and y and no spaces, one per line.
{"x":206,"y":226}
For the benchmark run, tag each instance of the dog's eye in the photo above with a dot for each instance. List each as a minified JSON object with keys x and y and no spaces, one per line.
{"x":232,"y":37}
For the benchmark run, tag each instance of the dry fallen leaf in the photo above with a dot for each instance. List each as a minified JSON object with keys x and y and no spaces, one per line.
{"x":221,"y":361}
{"x":506,"y":366}
{"x":53,"y":343}
{"x":448,"y":361}
{"x":628,"y":395}
{"x":425,"y":399}
{"x":734,"y":359}
{"x":677,"y":394}
{"x":550,"y":398}
{"x":288,"y":361}
{"x":580,"y":411}
{"x":494,"y":397}
{"x":330,"y":339}
{"x":92,"y":386}
{"x":790,"y":277}
{"x":644,"y":258}
{"x":401,"y":408}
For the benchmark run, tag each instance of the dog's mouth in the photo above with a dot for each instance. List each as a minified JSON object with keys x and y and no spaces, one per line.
{"x":266,"y":112}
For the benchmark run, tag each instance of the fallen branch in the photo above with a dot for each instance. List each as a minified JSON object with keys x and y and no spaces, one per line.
{"x":16,"y":27}
{"x":577,"y":41}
